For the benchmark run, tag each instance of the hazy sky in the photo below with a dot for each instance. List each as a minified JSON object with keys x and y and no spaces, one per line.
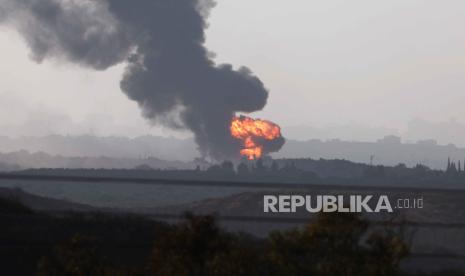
{"x":374,"y":63}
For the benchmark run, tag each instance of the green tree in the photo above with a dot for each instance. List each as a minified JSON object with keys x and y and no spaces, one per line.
{"x":199,"y":247}
{"x":334,"y":245}
{"x":77,"y":257}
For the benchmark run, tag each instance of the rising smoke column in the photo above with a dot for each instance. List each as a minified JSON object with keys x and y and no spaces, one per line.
{"x":169,"y":71}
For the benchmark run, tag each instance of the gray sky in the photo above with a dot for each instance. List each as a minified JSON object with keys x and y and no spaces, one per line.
{"x":374,"y":63}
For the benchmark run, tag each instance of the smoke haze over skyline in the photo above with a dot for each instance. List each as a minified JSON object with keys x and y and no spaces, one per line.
{"x":168,"y":70}
{"x":325,"y":64}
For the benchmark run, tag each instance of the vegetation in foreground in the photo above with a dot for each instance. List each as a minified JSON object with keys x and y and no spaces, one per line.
{"x":336,"y":244}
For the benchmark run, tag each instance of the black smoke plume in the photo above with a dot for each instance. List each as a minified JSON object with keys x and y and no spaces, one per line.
{"x":170,"y":73}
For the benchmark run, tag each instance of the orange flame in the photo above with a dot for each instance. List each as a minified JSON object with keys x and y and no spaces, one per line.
{"x":248,"y":130}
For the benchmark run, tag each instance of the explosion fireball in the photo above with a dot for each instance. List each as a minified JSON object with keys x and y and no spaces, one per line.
{"x":255,"y":134}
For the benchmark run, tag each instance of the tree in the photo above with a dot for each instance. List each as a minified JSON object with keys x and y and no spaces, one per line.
{"x":77,"y":257}
{"x":334,"y":245}
{"x":242,"y":169}
{"x":199,"y":247}
{"x":274,"y":167}
{"x":260,"y":167}
{"x":227,"y":166}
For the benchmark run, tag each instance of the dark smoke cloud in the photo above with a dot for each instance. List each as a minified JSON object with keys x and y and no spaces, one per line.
{"x":80,"y":31}
{"x":169,"y":72}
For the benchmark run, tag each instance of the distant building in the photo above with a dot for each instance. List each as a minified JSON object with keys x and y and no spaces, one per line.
{"x":390,"y":139}
{"x":428,"y":142}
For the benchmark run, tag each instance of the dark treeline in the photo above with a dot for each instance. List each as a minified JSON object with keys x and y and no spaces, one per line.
{"x":335,"y":244}
{"x":305,"y":171}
